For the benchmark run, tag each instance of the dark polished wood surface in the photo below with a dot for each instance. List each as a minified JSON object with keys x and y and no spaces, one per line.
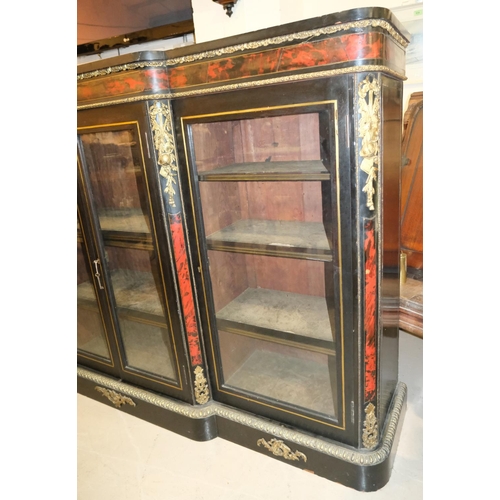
{"x":263,"y":134}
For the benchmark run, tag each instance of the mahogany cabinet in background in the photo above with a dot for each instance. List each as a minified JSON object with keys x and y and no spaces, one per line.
{"x":412,"y":241}
{"x":411,"y":313}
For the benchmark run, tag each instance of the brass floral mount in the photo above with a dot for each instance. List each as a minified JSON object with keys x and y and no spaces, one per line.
{"x":201,"y":392}
{"x":280,"y":449}
{"x":116,"y":398}
{"x":370,"y":428}
{"x":369,"y":132}
{"x":161,"y":123}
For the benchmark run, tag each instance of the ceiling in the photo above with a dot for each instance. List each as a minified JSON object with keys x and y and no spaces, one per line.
{"x":99,"y":19}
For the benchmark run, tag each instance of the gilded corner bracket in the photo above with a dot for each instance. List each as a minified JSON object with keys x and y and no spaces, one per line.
{"x":369,"y":133}
{"x":161,"y":124}
{"x":116,"y":398}
{"x":370,"y":428}
{"x":201,"y":391}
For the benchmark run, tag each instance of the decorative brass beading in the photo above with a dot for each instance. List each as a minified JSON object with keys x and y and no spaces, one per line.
{"x":329,"y":448}
{"x":114,"y":397}
{"x":280,"y":449}
{"x":370,"y":428}
{"x":369,"y":132}
{"x":161,"y":124}
{"x":201,"y":392}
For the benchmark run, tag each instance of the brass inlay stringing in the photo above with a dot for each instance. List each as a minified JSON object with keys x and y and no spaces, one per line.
{"x":161,"y":123}
{"x":201,"y":392}
{"x":370,"y":428}
{"x":280,"y":449}
{"x":369,"y":132}
{"x":116,"y":398}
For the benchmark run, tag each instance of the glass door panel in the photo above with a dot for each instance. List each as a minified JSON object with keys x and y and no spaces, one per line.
{"x":142,"y":316}
{"x":118,"y":183}
{"x":282,"y":374}
{"x":90,"y":330}
{"x":264,"y":186}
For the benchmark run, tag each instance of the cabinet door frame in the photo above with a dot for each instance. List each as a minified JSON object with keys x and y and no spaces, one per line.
{"x":299,"y":94}
{"x":136,"y":115}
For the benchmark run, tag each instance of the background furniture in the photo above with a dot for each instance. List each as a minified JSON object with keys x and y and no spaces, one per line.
{"x":412,"y":244}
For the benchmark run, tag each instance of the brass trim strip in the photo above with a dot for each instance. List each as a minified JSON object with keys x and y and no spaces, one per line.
{"x":271,"y":253}
{"x":264,"y":177}
{"x":275,"y":340}
{"x":325,"y":446}
{"x":253,"y":83}
{"x":277,"y":40}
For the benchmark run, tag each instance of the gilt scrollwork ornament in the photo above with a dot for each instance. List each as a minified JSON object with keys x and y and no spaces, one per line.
{"x":369,"y":132}
{"x":370,"y":428}
{"x":163,"y":137}
{"x":280,"y":449}
{"x":116,"y":398}
{"x":201,"y":392}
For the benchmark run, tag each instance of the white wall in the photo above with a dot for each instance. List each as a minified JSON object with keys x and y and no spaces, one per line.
{"x":211,"y":22}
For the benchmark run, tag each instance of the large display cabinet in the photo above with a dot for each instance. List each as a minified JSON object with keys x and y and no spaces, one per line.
{"x":238,"y":240}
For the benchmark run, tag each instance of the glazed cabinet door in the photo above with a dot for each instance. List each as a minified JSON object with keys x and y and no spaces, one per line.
{"x":263,"y":182}
{"x":127,"y":267}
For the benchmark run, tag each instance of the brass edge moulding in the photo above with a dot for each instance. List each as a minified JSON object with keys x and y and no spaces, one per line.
{"x":277,"y":40}
{"x":280,"y":449}
{"x":371,"y":457}
{"x":369,"y":133}
{"x":117,"y":399}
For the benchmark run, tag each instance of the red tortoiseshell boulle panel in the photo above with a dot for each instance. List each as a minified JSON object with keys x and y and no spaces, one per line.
{"x":337,"y":51}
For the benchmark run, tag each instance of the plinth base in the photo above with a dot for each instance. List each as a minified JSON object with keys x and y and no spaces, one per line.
{"x":358,"y":469}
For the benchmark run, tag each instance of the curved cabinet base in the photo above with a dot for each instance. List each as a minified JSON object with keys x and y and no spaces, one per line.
{"x":358,"y":469}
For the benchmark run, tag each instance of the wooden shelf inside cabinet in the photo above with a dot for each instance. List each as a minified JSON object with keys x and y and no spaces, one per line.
{"x":126,"y":228}
{"x":282,"y":317}
{"x":313,"y":170}
{"x":135,"y":295}
{"x":280,"y":377}
{"x":295,"y":239}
